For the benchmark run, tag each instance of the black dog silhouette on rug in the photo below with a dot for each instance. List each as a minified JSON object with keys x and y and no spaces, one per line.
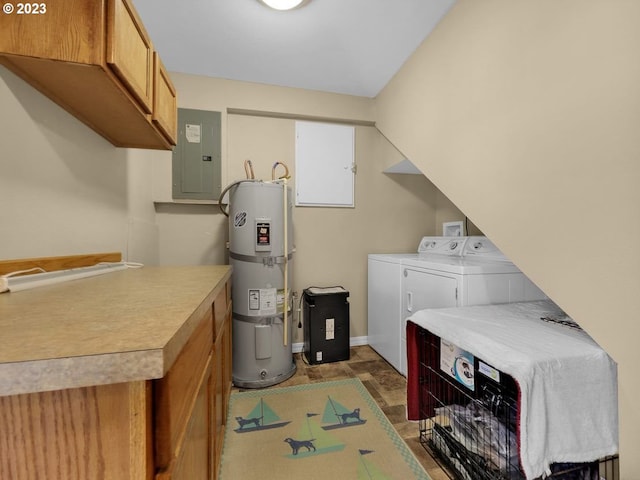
{"x":346,"y":416}
{"x":248,"y":421}
{"x":296,"y":445}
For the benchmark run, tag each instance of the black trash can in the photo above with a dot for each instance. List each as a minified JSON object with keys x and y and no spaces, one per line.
{"x":326,"y":324}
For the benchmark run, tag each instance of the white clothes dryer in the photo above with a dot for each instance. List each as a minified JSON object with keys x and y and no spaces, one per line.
{"x":384,"y":301}
{"x":446,"y":272}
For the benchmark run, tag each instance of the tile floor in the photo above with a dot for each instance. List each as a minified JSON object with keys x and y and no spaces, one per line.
{"x":386,"y":386}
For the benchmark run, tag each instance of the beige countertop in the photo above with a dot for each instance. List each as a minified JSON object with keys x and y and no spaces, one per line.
{"x":118,"y":327}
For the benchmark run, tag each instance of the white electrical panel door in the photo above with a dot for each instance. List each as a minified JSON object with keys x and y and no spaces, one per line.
{"x":325,"y":164}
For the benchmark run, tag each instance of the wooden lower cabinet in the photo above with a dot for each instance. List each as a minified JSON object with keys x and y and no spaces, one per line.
{"x":98,"y":433}
{"x":189,"y":444}
{"x":219,"y":405}
{"x":221,"y":384}
{"x":166,"y":429}
{"x":193,"y":459}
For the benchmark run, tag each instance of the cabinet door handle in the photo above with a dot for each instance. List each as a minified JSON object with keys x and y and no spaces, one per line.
{"x":409,"y":302}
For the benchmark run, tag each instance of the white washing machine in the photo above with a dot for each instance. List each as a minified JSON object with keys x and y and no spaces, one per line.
{"x":446,"y":272}
{"x":385,"y":295}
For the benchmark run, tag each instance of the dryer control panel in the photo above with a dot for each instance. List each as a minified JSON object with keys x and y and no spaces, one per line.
{"x":482,"y":248}
{"x":477,"y":246}
{"x":451,"y":246}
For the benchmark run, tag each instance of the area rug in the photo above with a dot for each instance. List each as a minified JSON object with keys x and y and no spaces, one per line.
{"x":325,"y":431}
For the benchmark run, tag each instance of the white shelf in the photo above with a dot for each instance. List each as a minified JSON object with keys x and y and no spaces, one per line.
{"x":404,"y":167}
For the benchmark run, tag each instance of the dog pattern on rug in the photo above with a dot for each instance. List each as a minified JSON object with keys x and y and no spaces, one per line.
{"x":296,"y":445}
{"x":248,"y":421}
{"x":262,"y":417}
{"x":316,"y":438}
{"x":312,"y":438}
{"x":337,"y":415}
{"x":315,"y":426}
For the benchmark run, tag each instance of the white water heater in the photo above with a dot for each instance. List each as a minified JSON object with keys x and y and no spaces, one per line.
{"x":261,"y":254}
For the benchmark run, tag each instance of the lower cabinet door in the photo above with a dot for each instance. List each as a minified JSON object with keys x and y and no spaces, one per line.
{"x":220,"y":386}
{"x":217,"y":423}
{"x":193,"y":457}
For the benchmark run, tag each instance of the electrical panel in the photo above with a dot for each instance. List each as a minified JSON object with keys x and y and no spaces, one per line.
{"x":197,"y":162}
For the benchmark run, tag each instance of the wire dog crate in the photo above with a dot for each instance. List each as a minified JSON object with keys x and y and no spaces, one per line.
{"x":472,"y":432}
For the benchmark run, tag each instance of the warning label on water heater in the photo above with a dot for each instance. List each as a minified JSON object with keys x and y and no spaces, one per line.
{"x":262,"y":301}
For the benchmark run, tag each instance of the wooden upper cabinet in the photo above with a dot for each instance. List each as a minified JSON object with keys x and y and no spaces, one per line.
{"x":165,"y":105}
{"x":68,"y":31}
{"x":96,"y":60}
{"x":129,"y":51}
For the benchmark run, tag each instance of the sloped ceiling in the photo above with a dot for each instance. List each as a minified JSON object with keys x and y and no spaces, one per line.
{"x":342,"y":46}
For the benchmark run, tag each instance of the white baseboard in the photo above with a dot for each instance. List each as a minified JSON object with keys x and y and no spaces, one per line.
{"x":353,"y":342}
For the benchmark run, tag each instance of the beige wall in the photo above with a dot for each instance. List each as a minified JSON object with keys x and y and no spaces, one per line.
{"x":64,"y":189}
{"x":331,"y":243}
{"x":446,"y":211}
{"x":526,"y":115}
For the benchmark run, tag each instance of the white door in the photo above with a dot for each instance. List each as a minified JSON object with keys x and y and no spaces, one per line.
{"x":423,"y":289}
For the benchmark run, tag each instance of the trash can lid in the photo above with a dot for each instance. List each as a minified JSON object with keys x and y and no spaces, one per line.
{"x":325,"y":290}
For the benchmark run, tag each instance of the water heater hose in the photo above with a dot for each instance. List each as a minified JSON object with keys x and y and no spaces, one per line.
{"x":286,"y":171}
{"x":248,"y":169}
{"x":229,"y":187}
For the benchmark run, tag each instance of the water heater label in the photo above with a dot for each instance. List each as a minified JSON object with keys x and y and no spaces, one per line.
{"x":280,"y":300}
{"x":263,"y":234}
{"x":262,"y":301}
{"x":240,"y":219}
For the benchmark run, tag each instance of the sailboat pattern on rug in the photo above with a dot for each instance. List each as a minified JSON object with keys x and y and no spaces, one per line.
{"x":368,"y":470}
{"x":337,"y":415}
{"x":328,"y":430}
{"x":313,"y":439}
{"x":262,"y":417}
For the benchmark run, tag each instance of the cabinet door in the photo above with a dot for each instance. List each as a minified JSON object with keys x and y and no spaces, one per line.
{"x":65,"y":31}
{"x":193,"y":461}
{"x":219,"y":401}
{"x":165,"y":108}
{"x":129,"y":51}
{"x":325,"y":164}
{"x":99,"y":432}
{"x":221,"y":379}
{"x":174,"y":394}
{"x":227,"y":366}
